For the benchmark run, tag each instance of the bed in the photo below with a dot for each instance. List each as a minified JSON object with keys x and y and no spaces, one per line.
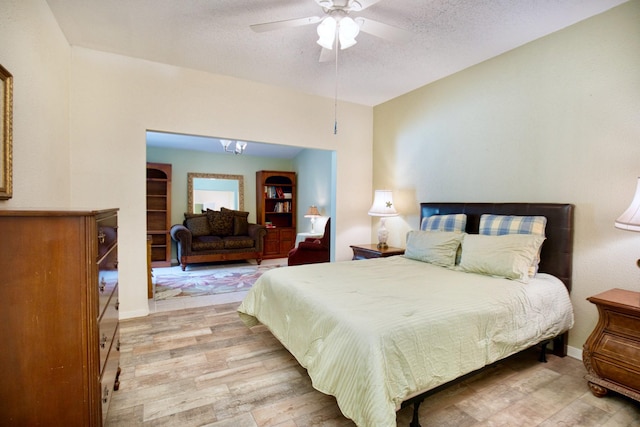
{"x":382,"y":333}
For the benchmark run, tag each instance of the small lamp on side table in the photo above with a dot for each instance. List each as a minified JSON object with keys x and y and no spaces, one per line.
{"x":312,"y":213}
{"x":383,"y":207}
{"x":630,"y":219}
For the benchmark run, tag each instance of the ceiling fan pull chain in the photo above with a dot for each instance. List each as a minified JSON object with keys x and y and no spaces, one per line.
{"x":335,"y":101}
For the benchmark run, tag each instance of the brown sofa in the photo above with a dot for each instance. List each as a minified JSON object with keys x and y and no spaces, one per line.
{"x":224,"y":235}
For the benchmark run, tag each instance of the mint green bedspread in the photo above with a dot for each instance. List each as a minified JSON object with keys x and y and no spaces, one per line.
{"x":375,"y":332}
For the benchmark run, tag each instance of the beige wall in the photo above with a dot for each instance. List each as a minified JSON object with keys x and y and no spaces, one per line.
{"x":114,"y":99}
{"x":34,"y":50}
{"x":557,"y":120}
{"x":80,"y":119}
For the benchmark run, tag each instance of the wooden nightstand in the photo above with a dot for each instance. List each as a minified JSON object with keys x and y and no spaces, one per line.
{"x":372,"y":251}
{"x":612,"y":351}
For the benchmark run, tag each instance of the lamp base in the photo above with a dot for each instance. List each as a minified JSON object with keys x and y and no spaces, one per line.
{"x":383,"y":235}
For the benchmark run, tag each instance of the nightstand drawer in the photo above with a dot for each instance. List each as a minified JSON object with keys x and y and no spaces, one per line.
{"x":623,"y":324}
{"x":619,"y":348}
{"x":619,"y":373}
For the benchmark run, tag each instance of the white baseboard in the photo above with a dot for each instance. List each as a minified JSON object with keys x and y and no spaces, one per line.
{"x":574,"y":352}
{"x":134,"y":313}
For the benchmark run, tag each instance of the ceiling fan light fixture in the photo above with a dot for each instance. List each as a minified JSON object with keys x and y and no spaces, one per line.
{"x":347,"y":31}
{"x":327,"y":32}
{"x":239,"y":146}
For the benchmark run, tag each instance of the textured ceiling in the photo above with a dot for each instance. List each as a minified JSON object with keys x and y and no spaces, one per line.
{"x":214,"y":35}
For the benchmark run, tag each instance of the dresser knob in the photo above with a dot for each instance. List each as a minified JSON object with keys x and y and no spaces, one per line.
{"x":105,"y":395}
{"x":117,"y":304}
{"x":103,"y":284}
{"x":103,"y":341}
{"x":101,"y":236}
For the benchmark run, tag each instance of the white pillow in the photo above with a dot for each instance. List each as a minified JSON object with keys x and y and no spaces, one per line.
{"x":437,"y":248}
{"x":508,"y":255}
{"x":495,"y":225}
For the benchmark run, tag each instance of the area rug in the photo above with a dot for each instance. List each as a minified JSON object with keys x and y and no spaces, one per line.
{"x":172,"y":282}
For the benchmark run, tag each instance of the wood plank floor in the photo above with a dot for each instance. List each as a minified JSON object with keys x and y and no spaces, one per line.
{"x":203,"y":367}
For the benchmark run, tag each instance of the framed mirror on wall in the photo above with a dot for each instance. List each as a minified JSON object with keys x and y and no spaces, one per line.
{"x":213,"y":191}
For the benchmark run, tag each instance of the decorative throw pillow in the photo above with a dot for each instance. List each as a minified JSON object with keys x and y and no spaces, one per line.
{"x":507,"y":255}
{"x":450,"y":222}
{"x":437,"y":248}
{"x":498,"y":225}
{"x":240,"y":221}
{"x":198,"y":224}
{"x":221,"y":223}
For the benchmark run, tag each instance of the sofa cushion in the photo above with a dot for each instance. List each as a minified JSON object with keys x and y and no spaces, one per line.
{"x":240,"y":221}
{"x":207,"y":243}
{"x":221,"y":223}
{"x":198,"y":224}
{"x":238,"y":242}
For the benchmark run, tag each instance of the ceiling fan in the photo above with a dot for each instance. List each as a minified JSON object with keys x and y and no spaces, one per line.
{"x":337,"y":26}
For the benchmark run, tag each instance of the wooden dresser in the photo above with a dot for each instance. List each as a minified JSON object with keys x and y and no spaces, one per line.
{"x":59,"y":318}
{"x":612,"y":351}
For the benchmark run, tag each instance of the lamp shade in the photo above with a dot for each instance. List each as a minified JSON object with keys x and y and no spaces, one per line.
{"x":347,"y":32}
{"x":630,"y":219}
{"x":383,"y":204}
{"x":327,"y":32}
{"x":312,"y":212}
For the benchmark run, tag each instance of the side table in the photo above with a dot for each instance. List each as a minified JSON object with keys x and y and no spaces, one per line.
{"x":369,"y":251}
{"x":612,"y":351}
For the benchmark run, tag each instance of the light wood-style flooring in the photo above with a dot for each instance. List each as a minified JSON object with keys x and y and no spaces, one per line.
{"x":202,"y":367}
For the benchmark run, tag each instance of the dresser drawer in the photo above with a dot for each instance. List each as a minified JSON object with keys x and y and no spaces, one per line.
{"x":108,"y":380}
{"x":107,"y":327}
{"x":107,"y":233}
{"x":107,"y":278}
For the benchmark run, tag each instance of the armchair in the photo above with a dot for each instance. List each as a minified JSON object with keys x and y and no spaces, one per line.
{"x":312,"y":250}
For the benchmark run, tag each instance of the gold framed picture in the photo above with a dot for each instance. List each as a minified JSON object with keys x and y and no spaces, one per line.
{"x":6,"y":126}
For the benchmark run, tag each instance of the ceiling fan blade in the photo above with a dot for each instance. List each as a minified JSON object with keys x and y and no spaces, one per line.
{"x":358,"y":5}
{"x":289,"y":23}
{"x":327,"y":55}
{"x":349,"y":5}
{"x":383,"y":31}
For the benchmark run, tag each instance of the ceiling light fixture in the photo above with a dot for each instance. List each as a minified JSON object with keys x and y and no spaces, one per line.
{"x":239,"y":147}
{"x":346,"y":29}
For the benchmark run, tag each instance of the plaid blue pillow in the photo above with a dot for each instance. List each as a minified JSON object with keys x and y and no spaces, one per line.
{"x":497,"y":225}
{"x":451,"y":222}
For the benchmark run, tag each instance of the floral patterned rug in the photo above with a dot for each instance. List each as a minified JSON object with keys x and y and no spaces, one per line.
{"x":172,"y":282}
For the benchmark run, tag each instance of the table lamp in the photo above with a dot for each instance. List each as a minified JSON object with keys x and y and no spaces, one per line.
{"x":312,"y":213}
{"x":630,"y":219}
{"x":383,"y":207}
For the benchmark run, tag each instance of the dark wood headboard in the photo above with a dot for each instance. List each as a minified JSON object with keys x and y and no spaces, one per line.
{"x":556,"y":257}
